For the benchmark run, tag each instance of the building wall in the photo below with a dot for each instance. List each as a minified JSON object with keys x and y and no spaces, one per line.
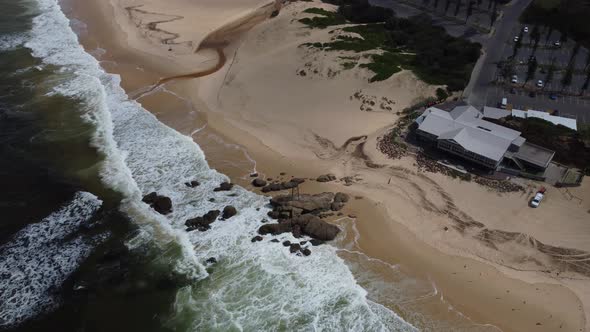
{"x":458,"y":150}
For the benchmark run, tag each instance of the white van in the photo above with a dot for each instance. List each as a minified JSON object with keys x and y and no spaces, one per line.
{"x":504,"y":103}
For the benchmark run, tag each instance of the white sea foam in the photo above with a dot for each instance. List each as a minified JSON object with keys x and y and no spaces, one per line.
{"x":254,"y":286}
{"x":11,"y":41}
{"x":39,"y":258}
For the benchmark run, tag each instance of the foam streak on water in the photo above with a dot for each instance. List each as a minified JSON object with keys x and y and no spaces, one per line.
{"x":254,"y":286}
{"x":40,"y":257}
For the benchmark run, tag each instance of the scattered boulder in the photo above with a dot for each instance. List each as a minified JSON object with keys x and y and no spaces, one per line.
{"x":224,"y":186}
{"x":161,"y":204}
{"x":341,"y":198}
{"x":257,"y":238}
{"x":202,"y":223}
{"x":274,"y":240}
{"x":289,"y":185}
{"x":211,"y":199}
{"x":258,"y":183}
{"x":254,"y":175}
{"x":326,"y":178}
{"x":306,"y":252}
{"x":192,"y":184}
{"x":302,"y":243}
{"x":228,"y":212}
{"x":294,"y":247}
{"x":287,"y":243}
{"x":282,"y":173}
{"x":211,"y":260}
{"x":275,"y":229}
{"x":320,"y":230}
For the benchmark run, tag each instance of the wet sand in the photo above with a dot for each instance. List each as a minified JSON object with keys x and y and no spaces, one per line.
{"x":480,"y":291}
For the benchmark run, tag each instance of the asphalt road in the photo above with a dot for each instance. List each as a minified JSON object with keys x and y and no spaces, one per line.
{"x":494,"y":48}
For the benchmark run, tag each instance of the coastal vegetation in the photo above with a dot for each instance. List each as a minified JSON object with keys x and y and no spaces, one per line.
{"x":395,"y":43}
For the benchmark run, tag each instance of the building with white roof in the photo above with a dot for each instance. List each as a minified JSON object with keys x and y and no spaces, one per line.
{"x":464,"y":133}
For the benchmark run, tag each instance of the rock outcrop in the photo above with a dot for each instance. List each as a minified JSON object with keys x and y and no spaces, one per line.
{"x":307,"y":224}
{"x":161,"y":204}
{"x":192,"y":184}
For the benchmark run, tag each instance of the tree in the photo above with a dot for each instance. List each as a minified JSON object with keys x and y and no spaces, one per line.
{"x":435,"y":5}
{"x":586,"y":82}
{"x":493,"y":18}
{"x":479,"y":3}
{"x":490,"y":4}
{"x":447,"y":5}
{"x":469,"y":10}
{"x":567,"y":78}
{"x":532,"y":69}
{"x":549,"y":32}
{"x":575,"y":51}
{"x":550,"y":73}
{"x":507,"y":68}
{"x":457,"y":7}
{"x":536,"y":37}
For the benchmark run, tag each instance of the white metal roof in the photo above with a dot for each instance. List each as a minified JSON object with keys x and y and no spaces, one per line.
{"x":465,"y":126}
{"x":557,"y":120}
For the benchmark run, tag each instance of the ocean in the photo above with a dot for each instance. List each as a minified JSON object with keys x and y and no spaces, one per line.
{"x":80,"y":251}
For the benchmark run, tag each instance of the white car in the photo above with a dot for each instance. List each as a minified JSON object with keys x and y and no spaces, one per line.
{"x":526,"y":29}
{"x":514,"y":79}
{"x":516,"y":38}
{"x":557,"y":44}
{"x":537,"y":200}
{"x":539,"y":83}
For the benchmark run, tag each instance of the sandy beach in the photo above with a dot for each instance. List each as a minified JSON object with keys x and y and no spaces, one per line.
{"x":273,"y":106}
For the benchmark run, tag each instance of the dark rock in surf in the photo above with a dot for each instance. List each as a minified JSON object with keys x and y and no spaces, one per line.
{"x":224,"y":186}
{"x":161,"y":204}
{"x":192,"y":184}
{"x":336,"y":206}
{"x":257,"y":238}
{"x":211,"y":260}
{"x":228,"y":212}
{"x":294,"y":247}
{"x":296,"y":231}
{"x":306,"y":252}
{"x":274,"y":240}
{"x":258,"y":183}
{"x":287,"y":243}
{"x":254,"y":175}
{"x":202,"y":223}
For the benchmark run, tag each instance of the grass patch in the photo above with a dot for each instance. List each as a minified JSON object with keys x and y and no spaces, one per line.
{"x":326,"y":18}
{"x":386,"y":64}
{"x":348,"y":65}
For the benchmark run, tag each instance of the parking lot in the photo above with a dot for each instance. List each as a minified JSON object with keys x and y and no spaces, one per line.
{"x":569,"y":100}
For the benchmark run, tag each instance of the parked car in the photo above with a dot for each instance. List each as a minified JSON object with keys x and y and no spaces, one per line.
{"x":526,"y":29}
{"x":553,"y":97}
{"x":516,"y":38}
{"x":538,"y":197}
{"x":540,"y":83}
{"x":514,"y":79}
